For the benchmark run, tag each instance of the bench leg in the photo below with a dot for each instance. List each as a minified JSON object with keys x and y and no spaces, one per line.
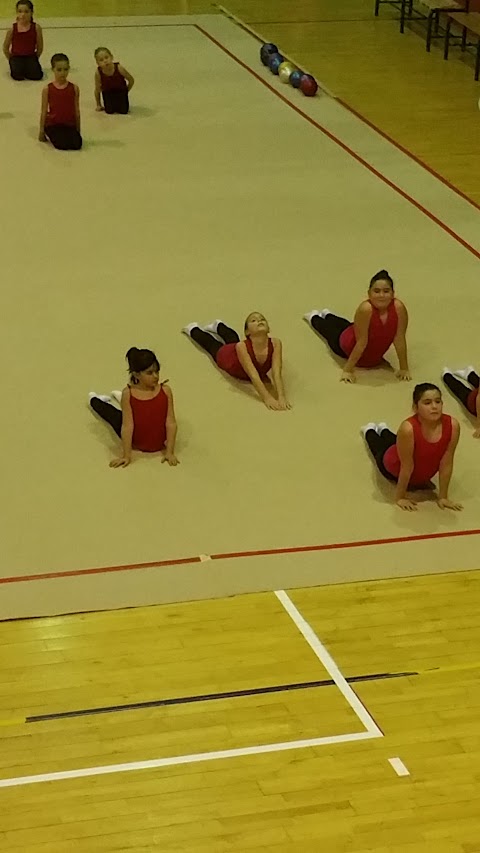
{"x":447,"y":39}
{"x":402,"y":16}
{"x":464,"y":39}
{"x":429,"y":31}
{"x":377,"y":6}
{"x":477,"y":64}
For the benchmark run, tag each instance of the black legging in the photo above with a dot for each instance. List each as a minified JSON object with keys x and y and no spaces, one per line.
{"x":109,"y":413}
{"x":209,"y":343}
{"x":64,"y":137}
{"x":116,"y":101}
{"x":460,"y":390}
{"x":330,"y":328}
{"x":378,"y":445}
{"x":25,"y":68}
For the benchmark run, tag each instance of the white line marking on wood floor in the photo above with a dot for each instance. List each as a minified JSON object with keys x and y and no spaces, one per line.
{"x":399,"y":767}
{"x":319,"y":649}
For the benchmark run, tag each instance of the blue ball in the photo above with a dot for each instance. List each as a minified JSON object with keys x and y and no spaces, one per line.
{"x":266,"y":52}
{"x":275,"y":62}
{"x":296,"y":78}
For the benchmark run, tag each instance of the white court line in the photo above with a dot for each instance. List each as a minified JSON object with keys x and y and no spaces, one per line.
{"x":183,"y":759}
{"x":399,"y":767}
{"x":319,"y":649}
{"x":372,"y":730}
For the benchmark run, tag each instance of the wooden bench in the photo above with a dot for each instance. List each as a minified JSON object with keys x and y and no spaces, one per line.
{"x":435,"y":9}
{"x":432,"y":16}
{"x":469,"y":23}
{"x":399,"y":4}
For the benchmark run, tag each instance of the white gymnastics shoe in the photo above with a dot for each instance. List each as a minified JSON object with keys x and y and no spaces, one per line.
{"x":187,"y":330}
{"x":310,"y":314}
{"x":463,"y":372}
{"x":367,"y":428}
{"x":213,"y":326}
{"x":104,"y":397}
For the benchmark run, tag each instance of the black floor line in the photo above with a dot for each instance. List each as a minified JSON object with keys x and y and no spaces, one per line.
{"x":209,"y":697}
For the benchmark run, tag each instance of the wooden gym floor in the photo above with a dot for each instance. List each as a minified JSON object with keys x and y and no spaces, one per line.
{"x":408,"y":646}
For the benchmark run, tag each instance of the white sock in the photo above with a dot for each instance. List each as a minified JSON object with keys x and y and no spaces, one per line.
{"x":364,"y":429}
{"x":447,"y":370}
{"x":213,"y":326}
{"x":310,"y":314}
{"x":463,"y":372}
{"x":381,"y":427}
{"x":187,"y":330}
{"x":323,"y":313}
{"x":105,"y":397}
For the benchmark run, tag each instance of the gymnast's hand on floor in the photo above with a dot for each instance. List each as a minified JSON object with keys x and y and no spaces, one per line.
{"x":407,"y":505}
{"x":171,"y":459}
{"x":444,"y":503}
{"x":120,"y":462}
{"x":347,"y":376}
{"x":403,"y":375}
{"x":476,"y":432}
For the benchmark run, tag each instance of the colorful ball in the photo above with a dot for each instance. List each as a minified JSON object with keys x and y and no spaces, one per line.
{"x":308,"y":85}
{"x":275,"y":62}
{"x":284,"y":71}
{"x":296,"y":78}
{"x":266,"y":51}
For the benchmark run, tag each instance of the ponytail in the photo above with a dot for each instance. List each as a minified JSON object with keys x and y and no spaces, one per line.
{"x":383,"y":275}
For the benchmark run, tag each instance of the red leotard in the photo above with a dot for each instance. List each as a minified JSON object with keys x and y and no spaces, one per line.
{"x":149,"y":422}
{"x":427,"y":455}
{"x":24,"y":43}
{"x":380,"y":337}
{"x":227,"y":360}
{"x":61,"y":105}
{"x":111,"y":82}
{"x":472,"y":401}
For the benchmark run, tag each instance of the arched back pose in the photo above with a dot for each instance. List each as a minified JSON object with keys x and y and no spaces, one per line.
{"x":252,"y":359}
{"x":147,"y":417}
{"x":380,"y":321}
{"x":424,"y":446}
{"x":23,"y":44}
{"x":469,"y":396}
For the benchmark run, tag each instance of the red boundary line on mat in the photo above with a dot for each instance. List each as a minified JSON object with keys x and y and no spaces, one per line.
{"x":100,"y":570}
{"x":267,"y":552}
{"x":408,"y":153}
{"x":350,"y":151}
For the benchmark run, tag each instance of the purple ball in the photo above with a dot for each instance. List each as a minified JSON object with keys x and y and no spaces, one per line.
{"x":266,"y":52}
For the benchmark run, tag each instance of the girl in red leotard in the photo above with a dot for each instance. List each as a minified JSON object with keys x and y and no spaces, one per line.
{"x":60,"y":114}
{"x":251,"y":360}
{"x":112,"y":82}
{"x":424,"y":446}
{"x":380,"y":321}
{"x":468,"y":396}
{"x":147,"y":419}
{"x":23,"y":44}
